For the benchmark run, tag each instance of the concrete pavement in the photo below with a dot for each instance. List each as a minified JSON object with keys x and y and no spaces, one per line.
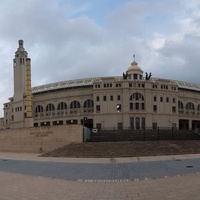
{"x":15,"y":185}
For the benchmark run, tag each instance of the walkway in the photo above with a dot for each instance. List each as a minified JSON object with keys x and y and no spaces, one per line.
{"x":26,"y":176}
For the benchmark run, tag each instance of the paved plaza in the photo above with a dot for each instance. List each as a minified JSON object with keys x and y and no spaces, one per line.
{"x":27,"y":176}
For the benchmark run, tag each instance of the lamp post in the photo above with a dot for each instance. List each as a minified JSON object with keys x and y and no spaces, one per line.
{"x":84,"y":119}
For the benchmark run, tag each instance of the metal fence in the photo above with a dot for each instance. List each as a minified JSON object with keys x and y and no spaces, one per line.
{"x":143,"y":135}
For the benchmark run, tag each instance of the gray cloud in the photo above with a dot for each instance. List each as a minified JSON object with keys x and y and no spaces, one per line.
{"x":65,"y":43}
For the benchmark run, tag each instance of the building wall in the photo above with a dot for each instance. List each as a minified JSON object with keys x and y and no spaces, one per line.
{"x":1,"y":123}
{"x":107,"y":96}
{"x":78,"y":95}
{"x":39,"y":139}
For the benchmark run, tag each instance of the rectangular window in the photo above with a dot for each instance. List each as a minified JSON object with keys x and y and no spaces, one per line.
{"x":161,"y":99}
{"x":131,"y":106}
{"x":173,"y":109}
{"x":118,"y":97}
{"x":132,"y":123}
{"x":130,"y":84}
{"x":120,"y":126}
{"x":119,"y":108}
{"x":154,"y":125}
{"x":98,"y":126}
{"x":137,"y":123}
{"x":137,"y":106}
{"x":142,"y":106}
{"x":111,"y":98}
{"x":98,"y":108}
{"x":143,"y":123}
{"x":97,"y":98}
{"x":174,"y":125}
{"x":135,"y":76}
{"x":104,"y":98}
{"x":72,"y":121}
{"x":154,"y":86}
{"x":167,"y":99}
{"x":154,"y":98}
{"x":155,"y":108}
{"x":174,"y":100}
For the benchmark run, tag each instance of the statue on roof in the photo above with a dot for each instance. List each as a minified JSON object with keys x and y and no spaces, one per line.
{"x":148,"y":76}
{"x":125,"y":75}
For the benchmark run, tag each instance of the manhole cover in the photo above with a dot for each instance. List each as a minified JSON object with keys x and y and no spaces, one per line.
{"x":189,"y":166}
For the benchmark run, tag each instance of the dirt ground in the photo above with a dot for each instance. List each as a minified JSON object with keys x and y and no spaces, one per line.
{"x":127,"y":149}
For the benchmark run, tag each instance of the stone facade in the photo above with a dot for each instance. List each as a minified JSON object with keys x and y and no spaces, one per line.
{"x":39,"y":139}
{"x":131,"y":101}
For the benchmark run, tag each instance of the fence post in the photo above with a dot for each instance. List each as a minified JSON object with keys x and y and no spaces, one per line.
{"x":158,"y":137}
{"x":114,"y":134}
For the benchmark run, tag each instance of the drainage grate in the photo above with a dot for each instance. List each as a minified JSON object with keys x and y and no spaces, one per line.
{"x":189,"y":166}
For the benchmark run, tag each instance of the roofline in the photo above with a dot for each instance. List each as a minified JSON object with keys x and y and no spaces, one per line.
{"x":90,"y":81}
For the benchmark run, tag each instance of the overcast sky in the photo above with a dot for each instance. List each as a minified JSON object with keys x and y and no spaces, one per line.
{"x":72,"y":39}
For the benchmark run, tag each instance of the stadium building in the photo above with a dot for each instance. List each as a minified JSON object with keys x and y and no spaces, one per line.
{"x":131,"y":101}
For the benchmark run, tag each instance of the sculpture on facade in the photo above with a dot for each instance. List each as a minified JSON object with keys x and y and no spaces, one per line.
{"x":148,"y":76}
{"x":125,"y":75}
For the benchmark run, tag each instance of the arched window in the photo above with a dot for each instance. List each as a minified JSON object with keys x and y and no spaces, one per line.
{"x":38,"y":109}
{"x":74,"y":104}
{"x":50,"y":107}
{"x":62,"y":106}
{"x":180,"y":105}
{"x":190,"y":106}
{"x":137,"y":101}
{"x":198,"y":109}
{"x":136,"y":96}
{"x":88,"y":105}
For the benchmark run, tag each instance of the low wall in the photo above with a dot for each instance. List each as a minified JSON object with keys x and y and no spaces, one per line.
{"x":40,"y":139}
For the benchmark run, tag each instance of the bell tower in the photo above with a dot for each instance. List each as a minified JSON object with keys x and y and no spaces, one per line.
{"x":21,"y":103}
{"x":19,"y":64}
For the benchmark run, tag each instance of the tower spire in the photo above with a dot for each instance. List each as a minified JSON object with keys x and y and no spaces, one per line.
{"x":133,"y":57}
{"x":21,"y":43}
